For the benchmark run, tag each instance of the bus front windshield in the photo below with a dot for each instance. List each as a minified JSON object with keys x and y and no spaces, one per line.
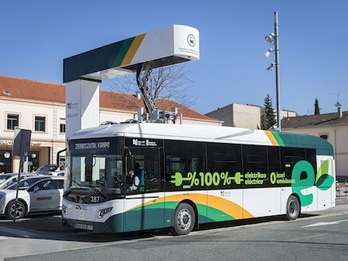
{"x":96,"y":166}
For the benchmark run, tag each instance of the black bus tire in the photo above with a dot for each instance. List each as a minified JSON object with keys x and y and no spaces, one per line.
{"x":11,"y":209}
{"x":293,"y":208}
{"x":184,"y":219}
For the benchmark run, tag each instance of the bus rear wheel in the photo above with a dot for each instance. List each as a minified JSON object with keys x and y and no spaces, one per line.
{"x":292,"y":208}
{"x":184,"y":219}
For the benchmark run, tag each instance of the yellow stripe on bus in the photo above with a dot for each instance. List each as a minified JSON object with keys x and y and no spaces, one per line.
{"x":272,"y":138}
{"x":212,"y":201}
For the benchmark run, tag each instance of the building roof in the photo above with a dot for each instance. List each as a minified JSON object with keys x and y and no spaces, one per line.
{"x":17,"y":88}
{"x":318,"y":120}
{"x":24,"y":89}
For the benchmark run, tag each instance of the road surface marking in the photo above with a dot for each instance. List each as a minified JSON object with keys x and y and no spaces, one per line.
{"x":326,"y":223}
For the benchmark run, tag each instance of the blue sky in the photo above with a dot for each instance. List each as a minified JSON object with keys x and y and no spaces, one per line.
{"x":313,"y":40}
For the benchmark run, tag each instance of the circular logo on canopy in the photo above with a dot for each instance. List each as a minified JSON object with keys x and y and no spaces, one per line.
{"x":191,"y":40}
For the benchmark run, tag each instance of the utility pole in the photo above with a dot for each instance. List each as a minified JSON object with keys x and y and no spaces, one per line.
{"x":276,"y":56}
{"x":273,"y":38}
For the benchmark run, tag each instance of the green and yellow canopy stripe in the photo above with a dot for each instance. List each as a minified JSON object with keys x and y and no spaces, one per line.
{"x":132,"y":49}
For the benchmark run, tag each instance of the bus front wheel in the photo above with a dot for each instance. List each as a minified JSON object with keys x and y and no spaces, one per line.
{"x":293,"y":208}
{"x":184,"y":219}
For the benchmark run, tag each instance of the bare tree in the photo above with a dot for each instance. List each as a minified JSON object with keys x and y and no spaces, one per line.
{"x":165,"y":83}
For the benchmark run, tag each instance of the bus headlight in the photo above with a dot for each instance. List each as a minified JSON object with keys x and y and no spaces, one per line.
{"x":103,"y":212}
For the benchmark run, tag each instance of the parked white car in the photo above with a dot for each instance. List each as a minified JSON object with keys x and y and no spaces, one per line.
{"x":35,"y":195}
{"x":7,"y":179}
{"x":51,"y":169}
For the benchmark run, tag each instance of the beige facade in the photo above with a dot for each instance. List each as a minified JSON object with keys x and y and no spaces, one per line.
{"x":331,"y":126}
{"x":338,"y":137}
{"x":44,"y":144}
{"x":243,"y":116}
{"x":238,"y":115}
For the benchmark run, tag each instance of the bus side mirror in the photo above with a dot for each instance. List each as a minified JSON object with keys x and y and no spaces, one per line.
{"x":130,"y":162}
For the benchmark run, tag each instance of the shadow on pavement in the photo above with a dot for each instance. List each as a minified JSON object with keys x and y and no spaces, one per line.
{"x":51,"y":227}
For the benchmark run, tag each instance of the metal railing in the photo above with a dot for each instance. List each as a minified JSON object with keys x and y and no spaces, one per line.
{"x":341,"y":188}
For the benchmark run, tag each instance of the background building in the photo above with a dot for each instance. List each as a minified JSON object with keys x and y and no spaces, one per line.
{"x":238,"y":115}
{"x":243,"y":116}
{"x":332,"y":127}
{"x":40,"y":107}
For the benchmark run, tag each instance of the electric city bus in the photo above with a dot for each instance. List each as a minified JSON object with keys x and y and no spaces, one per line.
{"x":143,"y":176}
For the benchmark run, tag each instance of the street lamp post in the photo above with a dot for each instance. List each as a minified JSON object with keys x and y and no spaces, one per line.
{"x":273,"y":38}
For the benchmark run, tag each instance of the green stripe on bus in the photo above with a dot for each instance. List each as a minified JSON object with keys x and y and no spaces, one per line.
{"x":206,"y":213}
{"x":306,"y":141}
{"x":278,"y":138}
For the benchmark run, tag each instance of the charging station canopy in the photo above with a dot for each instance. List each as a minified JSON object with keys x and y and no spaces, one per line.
{"x":167,"y":46}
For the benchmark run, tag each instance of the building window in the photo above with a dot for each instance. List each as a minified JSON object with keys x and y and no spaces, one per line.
{"x":40,"y":123}
{"x":12,"y":121}
{"x":324,"y":136}
{"x":62,"y":125}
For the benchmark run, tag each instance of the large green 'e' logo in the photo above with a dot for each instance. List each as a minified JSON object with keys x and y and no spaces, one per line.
{"x":304,"y":176}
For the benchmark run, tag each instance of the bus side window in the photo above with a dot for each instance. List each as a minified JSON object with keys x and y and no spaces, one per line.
{"x":226,"y":159}
{"x":289,"y":157}
{"x":255,"y":161}
{"x":146,"y":171}
{"x":182,"y":158}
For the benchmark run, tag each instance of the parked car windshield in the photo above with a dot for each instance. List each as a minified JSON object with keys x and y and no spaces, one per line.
{"x":4,"y":177}
{"x":25,"y":183}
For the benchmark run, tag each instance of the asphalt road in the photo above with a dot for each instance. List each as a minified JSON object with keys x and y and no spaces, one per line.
{"x":319,"y":236}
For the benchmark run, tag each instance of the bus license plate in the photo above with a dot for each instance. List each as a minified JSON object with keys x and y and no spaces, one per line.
{"x":83,"y":226}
